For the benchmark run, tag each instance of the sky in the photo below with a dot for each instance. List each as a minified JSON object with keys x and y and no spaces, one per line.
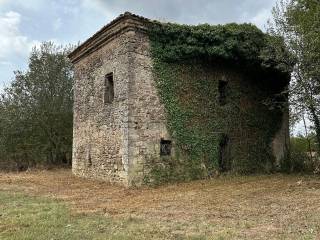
{"x":27,"y":23}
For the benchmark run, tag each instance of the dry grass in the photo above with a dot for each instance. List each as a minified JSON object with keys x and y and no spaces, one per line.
{"x":254,"y":207}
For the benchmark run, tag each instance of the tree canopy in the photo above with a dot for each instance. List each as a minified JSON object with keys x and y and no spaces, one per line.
{"x":36,"y":109}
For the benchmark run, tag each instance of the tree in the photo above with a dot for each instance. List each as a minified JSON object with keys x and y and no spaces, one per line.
{"x":298,"y":23}
{"x":36,"y":109}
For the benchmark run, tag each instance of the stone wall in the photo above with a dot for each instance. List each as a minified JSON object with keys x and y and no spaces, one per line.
{"x":147,"y":122}
{"x":100,"y":143}
{"x":247,"y":123}
{"x":281,"y":141}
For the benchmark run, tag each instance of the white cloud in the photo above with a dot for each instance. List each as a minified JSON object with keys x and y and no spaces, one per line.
{"x":100,"y":6}
{"x":57,"y":24}
{"x":29,"y":4}
{"x":2,"y":2}
{"x":5,"y":63}
{"x":12,"y":41}
{"x":261,"y":18}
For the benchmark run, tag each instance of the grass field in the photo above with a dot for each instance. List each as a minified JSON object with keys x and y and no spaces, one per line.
{"x":56,"y":205}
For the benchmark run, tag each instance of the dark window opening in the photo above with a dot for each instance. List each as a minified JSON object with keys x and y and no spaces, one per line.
{"x":224,"y":156}
{"x":222,"y":88}
{"x":89,"y":160}
{"x":165,"y":147}
{"x":108,"y":88}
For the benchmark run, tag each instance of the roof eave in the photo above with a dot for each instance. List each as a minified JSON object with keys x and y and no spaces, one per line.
{"x":124,"y":22}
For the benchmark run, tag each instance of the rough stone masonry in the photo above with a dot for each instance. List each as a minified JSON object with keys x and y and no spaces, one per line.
{"x":119,"y":121}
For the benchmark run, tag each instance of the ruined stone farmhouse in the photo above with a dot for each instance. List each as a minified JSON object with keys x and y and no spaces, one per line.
{"x":123,"y":133}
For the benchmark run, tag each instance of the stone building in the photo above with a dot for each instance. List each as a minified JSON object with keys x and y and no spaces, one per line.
{"x":120,"y":126}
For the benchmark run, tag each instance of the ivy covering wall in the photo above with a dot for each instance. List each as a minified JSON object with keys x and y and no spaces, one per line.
{"x":189,"y":63}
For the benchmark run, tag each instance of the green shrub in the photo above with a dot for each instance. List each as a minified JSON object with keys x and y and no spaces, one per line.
{"x":300,"y":160}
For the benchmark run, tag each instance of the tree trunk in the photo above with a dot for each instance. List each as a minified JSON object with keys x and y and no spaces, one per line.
{"x":307,"y":137}
{"x":316,"y":122}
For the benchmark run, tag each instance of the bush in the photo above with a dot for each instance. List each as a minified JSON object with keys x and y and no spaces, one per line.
{"x":300,"y":160}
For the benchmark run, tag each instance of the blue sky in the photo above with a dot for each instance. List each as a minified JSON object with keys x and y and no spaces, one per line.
{"x":26,"y":23}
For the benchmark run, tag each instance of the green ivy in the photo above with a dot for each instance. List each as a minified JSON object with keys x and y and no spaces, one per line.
{"x":187,"y":62}
{"x":238,"y":43}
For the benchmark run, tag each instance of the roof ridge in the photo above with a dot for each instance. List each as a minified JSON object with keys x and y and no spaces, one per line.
{"x":125,"y":15}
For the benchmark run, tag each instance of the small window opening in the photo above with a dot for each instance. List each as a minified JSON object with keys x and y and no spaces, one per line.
{"x":89,"y":160}
{"x":224,"y":158}
{"x":222,"y":88}
{"x":109,"y":88}
{"x":165,"y":147}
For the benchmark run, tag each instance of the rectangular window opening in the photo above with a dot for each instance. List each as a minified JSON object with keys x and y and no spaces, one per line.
{"x":222,"y":88}
{"x":165,"y":147}
{"x":89,"y":160}
{"x":109,"y":88}
{"x":224,"y":156}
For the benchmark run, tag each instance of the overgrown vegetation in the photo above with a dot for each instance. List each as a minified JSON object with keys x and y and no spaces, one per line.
{"x":298,"y":23}
{"x":36,"y":111}
{"x":241,"y":44}
{"x":189,"y":61}
{"x":304,"y":157}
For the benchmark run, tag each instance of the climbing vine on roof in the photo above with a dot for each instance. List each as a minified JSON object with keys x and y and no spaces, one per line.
{"x":239,"y":43}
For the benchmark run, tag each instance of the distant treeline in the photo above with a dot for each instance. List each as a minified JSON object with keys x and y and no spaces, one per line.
{"x":36,"y":111}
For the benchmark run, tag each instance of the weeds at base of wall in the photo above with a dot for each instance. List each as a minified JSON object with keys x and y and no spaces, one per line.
{"x":174,"y":170}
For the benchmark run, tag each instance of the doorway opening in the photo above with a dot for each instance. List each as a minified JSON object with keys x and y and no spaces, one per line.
{"x":224,"y":153}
